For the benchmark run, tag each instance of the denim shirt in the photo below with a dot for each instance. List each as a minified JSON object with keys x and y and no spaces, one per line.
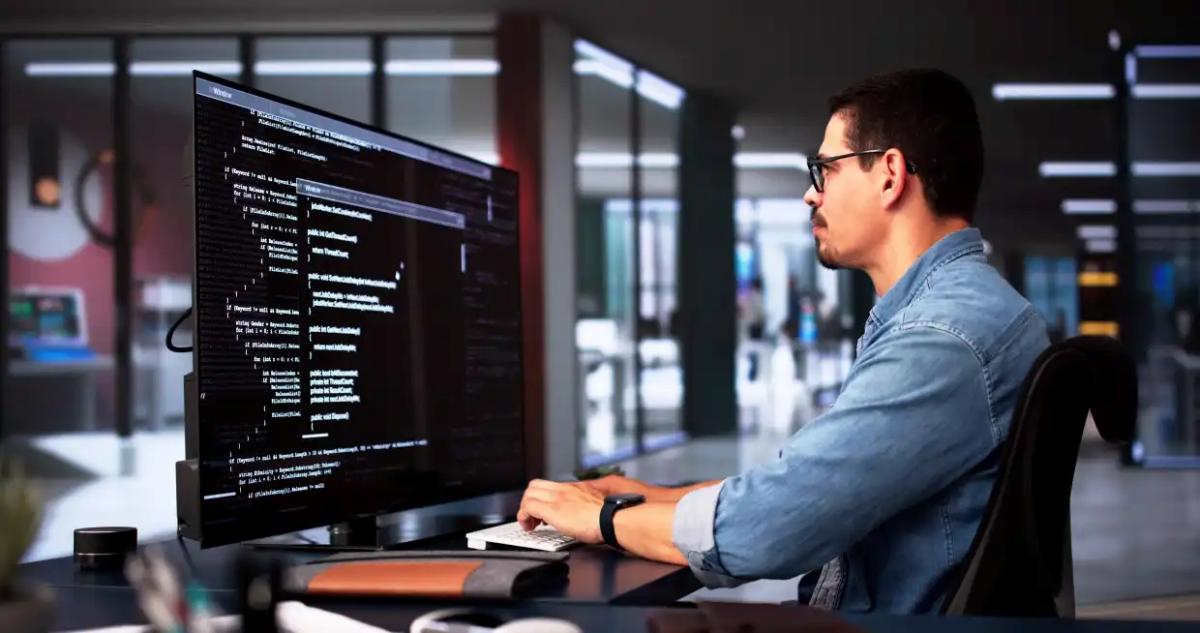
{"x":889,"y":486}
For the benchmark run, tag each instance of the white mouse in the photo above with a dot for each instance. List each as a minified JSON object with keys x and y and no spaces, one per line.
{"x":539,"y":625}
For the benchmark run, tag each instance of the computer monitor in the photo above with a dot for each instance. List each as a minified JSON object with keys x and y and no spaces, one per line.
{"x":46,"y":317}
{"x":358,"y":321}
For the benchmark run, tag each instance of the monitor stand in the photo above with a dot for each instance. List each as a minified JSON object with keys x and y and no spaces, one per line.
{"x":415,"y":531}
{"x":357,"y":535}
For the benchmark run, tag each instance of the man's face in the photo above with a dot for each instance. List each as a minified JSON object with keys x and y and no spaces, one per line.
{"x":847,"y":219}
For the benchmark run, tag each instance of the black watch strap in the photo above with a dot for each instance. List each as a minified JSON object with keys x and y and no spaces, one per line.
{"x":607,"y":512}
{"x":612,"y":504}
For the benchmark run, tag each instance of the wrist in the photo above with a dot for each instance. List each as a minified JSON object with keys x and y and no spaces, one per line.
{"x":613,"y":505}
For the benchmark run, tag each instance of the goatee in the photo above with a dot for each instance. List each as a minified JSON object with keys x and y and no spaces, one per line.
{"x":826,"y":263}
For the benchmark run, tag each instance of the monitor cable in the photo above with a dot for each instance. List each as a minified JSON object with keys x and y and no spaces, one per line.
{"x":171,"y":334}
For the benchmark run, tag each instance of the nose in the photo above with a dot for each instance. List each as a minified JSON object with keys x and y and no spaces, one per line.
{"x":812,"y":197}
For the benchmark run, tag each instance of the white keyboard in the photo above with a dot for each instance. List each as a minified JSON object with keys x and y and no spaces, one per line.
{"x":543,"y":538}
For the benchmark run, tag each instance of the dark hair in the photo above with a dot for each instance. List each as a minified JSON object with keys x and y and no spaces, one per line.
{"x":929,"y":115}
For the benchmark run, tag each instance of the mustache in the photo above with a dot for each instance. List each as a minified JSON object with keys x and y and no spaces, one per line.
{"x":815,"y":218}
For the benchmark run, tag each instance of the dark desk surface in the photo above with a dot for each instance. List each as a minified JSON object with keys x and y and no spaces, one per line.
{"x":607,"y":591}
{"x":598,"y":574}
{"x":89,"y":607}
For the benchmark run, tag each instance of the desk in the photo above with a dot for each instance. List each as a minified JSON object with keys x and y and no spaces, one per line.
{"x":90,"y":607}
{"x":598,"y":574}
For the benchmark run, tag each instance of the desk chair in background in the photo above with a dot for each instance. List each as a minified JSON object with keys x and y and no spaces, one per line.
{"x":1020,"y":562}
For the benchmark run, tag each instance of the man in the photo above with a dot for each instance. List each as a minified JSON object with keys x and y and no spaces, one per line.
{"x":884,"y":493}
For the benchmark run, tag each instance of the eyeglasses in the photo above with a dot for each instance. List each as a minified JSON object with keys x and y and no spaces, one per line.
{"x":816,"y":166}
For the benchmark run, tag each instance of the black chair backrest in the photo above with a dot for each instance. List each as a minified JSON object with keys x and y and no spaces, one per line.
{"x":1020,"y":561}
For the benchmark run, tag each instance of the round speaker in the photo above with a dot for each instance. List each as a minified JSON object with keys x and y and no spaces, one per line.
{"x":104,"y":548}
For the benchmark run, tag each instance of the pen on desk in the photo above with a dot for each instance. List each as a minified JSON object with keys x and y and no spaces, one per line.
{"x":155,"y":605}
{"x":199,"y":611}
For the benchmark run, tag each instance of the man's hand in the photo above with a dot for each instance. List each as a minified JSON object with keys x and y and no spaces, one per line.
{"x":570,"y":508}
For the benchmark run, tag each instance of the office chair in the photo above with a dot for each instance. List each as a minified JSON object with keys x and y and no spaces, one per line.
{"x":1020,"y":561}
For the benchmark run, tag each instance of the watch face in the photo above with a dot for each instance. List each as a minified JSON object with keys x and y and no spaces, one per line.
{"x":626,"y":499}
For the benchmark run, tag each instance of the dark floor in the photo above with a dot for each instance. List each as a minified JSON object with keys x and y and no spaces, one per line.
{"x":1136,"y":533}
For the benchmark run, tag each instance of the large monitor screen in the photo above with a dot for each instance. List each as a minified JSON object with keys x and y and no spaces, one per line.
{"x":358,"y":344}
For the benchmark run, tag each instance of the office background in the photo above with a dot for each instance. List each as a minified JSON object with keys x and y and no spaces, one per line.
{"x":661,"y":147}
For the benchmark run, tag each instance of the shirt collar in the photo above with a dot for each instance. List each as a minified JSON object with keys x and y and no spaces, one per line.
{"x":951,"y":247}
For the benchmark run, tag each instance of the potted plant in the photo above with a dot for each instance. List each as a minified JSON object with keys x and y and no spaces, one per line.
{"x":22,"y":607}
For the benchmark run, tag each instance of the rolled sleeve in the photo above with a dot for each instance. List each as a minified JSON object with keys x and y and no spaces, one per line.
{"x":692,"y":533}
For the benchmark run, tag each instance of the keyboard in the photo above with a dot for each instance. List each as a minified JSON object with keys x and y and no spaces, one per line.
{"x":544,"y":538}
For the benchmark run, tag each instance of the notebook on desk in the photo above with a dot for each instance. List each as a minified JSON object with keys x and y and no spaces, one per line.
{"x":431,"y":574}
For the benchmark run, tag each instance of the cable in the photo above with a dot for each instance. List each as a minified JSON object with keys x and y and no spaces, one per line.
{"x":171,"y":334}
{"x":187,"y":557}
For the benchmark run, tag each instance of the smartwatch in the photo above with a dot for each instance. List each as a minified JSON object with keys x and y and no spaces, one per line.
{"x":612,"y":504}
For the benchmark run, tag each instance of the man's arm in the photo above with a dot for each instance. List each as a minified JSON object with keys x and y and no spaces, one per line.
{"x":647,"y":530}
{"x":913,"y":417}
{"x":619,"y":484}
{"x":571,"y":508}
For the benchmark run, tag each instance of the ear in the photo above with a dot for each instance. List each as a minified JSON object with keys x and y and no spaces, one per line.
{"x":895,"y":177}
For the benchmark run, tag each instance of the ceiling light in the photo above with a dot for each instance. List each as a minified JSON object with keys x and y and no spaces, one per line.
{"x":1053,"y":91}
{"x":659,"y":90}
{"x":590,"y":51}
{"x":1081,"y":169}
{"x":1096,"y":232}
{"x":651,"y":160}
{"x":1166,"y":91}
{"x":1166,"y":52}
{"x":1089,"y":207}
{"x":1159,"y":169}
{"x":70,"y":69}
{"x":176,"y":69}
{"x":314,"y":67}
{"x":442,"y":67}
{"x":1152,"y":206}
{"x":742,"y":160}
{"x":615,"y":75}
{"x":770,"y":160}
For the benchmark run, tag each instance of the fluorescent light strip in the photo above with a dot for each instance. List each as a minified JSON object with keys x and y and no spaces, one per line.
{"x":659,"y":90}
{"x":442,"y":67}
{"x":70,"y":69}
{"x":1080,"y":169}
{"x":589,"y":50}
{"x":1148,"y":206}
{"x":1166,"y":91}
{"x":1004,"y":92}
{"x":314,"y":67}
{"x":1089,"y":207}
{"x":660,"y":160}
{"x":649,"y":205}
{"x":1100,"y":246}
{"x":770,"y":160}
{"x":742,"y":160}
{"x":176,"y":69}
{"x":1167,"y":52}
{"x":1160,"y":169}
{"x":1096,"y":232}
{"x":1007,"y":92}
{"x":1151,"y":207}
{"x":622,"y":78}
